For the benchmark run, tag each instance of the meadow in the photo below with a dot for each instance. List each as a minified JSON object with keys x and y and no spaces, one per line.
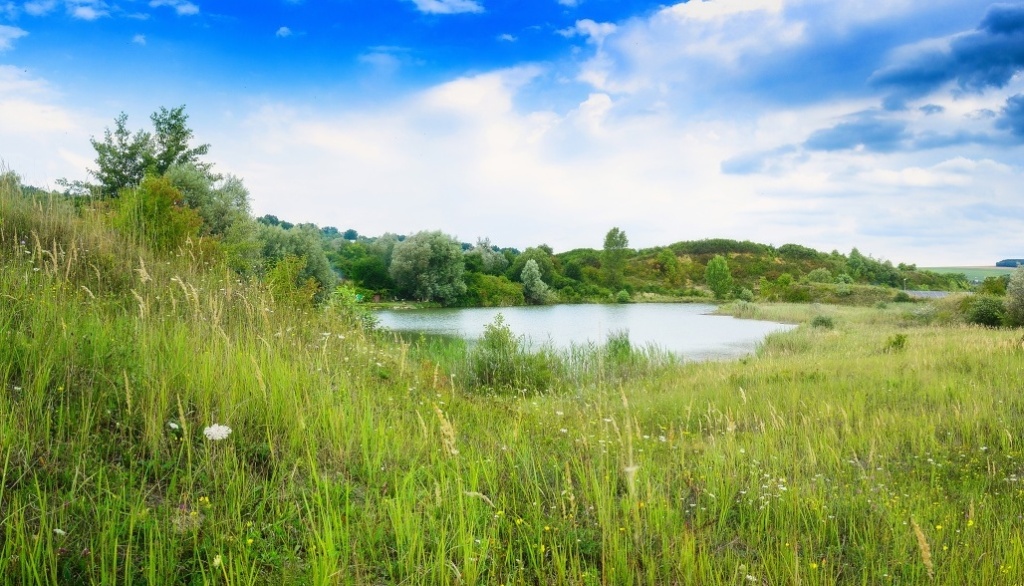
{"x":871,"y":445}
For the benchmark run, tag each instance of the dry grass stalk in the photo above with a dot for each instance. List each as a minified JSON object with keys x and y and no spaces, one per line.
{"x":926,"y":550}
{"x":447,"y":432}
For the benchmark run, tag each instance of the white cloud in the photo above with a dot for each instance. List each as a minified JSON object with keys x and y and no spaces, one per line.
{"x":87,"y":9}
{"x":508,"y":38}
{"x":594,"y":32}
{"x":40,"y":7}
{"x":283,"y":32}
{"x":448,"y":6}
{"x":8,"y":10}
{"x":9,"y":34}
{"x":570,"y":3}
{"x":182,"y":7}
{"x":139,"y":39}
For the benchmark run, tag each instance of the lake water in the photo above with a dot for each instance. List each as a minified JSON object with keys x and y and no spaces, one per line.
{"x":685,"y":329}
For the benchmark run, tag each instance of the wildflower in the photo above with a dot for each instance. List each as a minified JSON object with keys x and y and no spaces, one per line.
{"x":173,"y":425}
{"x":216,"y":561}
{"x":217,"y":432}
{"x":60,"y":532}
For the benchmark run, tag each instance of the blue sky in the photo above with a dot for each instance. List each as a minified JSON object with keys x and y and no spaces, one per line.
{"x":895,"y":127}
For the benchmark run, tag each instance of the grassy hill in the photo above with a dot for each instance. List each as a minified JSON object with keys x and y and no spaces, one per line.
{"x":882,"y":446}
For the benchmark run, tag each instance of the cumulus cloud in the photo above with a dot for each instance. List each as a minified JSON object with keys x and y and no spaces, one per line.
{"x":448,"y":6}
{"x":569,"y":3}
{"x":986,"y":57}
{"x":181,"y":7}
{"x":508,"y":38}
{"x":9,"y":34}
{"x":283,"y":32}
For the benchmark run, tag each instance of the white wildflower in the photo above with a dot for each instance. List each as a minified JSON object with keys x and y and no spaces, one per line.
{"x":217,"y":432}
{"x":173,"y":425}
{"x":216,"y":561}
{"x":60,"y":532}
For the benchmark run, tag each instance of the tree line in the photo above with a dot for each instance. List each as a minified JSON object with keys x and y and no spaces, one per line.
{"x":156,"y":188}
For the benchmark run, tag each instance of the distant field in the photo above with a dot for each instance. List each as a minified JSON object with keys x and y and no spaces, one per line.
{"x":973,"y":273}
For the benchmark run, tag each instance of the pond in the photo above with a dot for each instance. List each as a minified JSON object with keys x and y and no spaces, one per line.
{"x":685,"y":329}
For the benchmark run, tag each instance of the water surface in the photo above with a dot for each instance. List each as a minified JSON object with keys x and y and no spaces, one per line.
{"x":684,"y":329}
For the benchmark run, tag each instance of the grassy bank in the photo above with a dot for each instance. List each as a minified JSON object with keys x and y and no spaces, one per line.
{"x":880,"y":448}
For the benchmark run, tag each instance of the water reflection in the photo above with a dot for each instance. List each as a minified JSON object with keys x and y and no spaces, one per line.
{"x":685,"y":329}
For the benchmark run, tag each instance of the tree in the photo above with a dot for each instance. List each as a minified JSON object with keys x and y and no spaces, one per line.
{"x":718,"y":277}
{"x":487,"y":257}
{"x":534,"y":289}
{"x":1015,"y":298}
{"x":428,"y":266}
{"x":171,"y":142}
{"x":614,"y":259}
{"x":155,"y":214}
{"x":123,"y":159}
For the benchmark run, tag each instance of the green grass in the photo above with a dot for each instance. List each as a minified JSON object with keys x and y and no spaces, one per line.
{"x":356,"y":458}
{"x":973,"y":273}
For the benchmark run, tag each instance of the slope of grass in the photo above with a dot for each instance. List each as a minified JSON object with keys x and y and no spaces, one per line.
{"x":833,"y":456}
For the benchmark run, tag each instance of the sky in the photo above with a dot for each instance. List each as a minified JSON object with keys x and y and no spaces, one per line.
{"x":894,"y":127}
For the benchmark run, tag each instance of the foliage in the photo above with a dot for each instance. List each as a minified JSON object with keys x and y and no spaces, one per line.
{"x":819,"y":275}
{"x":1015,"y":298}
{"x":491,"y":261}
{"x":289,"y":285}
{"x":540,"y":255}
{"x":428,"y":266}
{"x":823,"y":321}
{"x":500,"y":362}
{"x":902,"y":297}
{"x":623,"y":297}
{"x":718,"y":277}
{"x":985,"y":310}
{"x":895,"y":343}
{"x":154,"y":214}
{"x":534,"y":289}
{"x":303,"y":243}
{"x":491,"y":291}
{"x":123,"y":158}
{"x":613,"y":260}
{"x":994,"y":285}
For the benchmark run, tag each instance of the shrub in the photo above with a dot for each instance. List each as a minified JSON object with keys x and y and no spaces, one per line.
{"x":819,"y":275}
{"x":895,"y":343}
{"x":623,"y":297}
{"x":501,"y":362}
{"x":746,"y":295}
{"x":1015,"y":298}
{"x":823,"y":321}
{"x":985,"y":310}
{"x":902,"y":297}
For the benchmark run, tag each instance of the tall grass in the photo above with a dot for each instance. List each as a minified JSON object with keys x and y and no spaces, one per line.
{"x":355,"y":459}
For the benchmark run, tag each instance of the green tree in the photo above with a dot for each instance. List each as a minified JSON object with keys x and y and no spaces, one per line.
{"x":429,"y":266}
{"x":1015,"y":298}
{"x":614,"y":259}
{"x":534,"y":289}
{"x":171,"y":140}
{"x":542,"y":256}
{"x":718,"y":277}
{"x":305,"y":244}
{"x":123,"y":159}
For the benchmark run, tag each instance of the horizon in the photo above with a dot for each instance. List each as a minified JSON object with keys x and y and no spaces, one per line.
{"x":896,"y":129}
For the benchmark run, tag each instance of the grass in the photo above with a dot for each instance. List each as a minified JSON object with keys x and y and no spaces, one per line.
{"x":973,"y":273}
{"x":831,"y":456}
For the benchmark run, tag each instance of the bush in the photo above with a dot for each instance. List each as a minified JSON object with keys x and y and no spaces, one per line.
{"x":985,"y":310}
{"x":819,"y":275}
{"x":623,"y":297}
{"x":1015,"y":298}
{"x":823,"y":321}
{"x":895,"y":343}
{"x":501,"y":362}
{"x":745,"y":295}
{"x":902,"y":297}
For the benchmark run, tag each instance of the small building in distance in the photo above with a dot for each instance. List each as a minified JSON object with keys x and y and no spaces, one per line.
{"x":1010,"y":262}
